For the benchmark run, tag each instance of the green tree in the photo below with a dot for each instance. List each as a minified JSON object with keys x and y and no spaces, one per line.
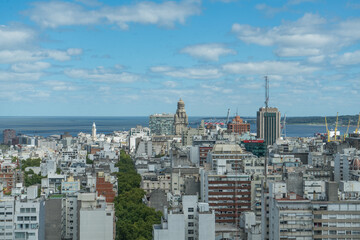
{"x":135,"y":219}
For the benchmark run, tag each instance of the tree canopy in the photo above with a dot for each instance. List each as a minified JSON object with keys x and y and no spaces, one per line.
{"x":135,"y":219}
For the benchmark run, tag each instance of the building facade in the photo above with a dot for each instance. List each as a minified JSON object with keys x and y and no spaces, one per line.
{"x":268,"y":124}
{"x":181,"y":120}
{"x":9,"y":135}
{"x":193,"y":220}
{"x":162,"y":124}
{"x":228,"y":195}
{"x":237,"y":125}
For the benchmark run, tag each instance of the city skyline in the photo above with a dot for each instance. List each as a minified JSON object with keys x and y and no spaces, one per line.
{"x":110,"y":58}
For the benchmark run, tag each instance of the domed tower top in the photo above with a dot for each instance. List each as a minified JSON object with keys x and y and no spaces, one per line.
{"x":181,"y":103}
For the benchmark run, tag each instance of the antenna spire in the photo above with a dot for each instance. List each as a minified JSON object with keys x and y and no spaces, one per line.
{"x":266,"y":92}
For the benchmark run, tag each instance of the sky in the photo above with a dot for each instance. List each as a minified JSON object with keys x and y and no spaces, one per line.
{"x":136,"y":58}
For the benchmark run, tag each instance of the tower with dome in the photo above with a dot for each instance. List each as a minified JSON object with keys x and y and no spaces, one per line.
{"x":181,"y":121}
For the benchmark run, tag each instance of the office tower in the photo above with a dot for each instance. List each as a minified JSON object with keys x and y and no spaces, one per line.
{"x":180,"y":119}
{"x":162,"y":124}
{"x":268,"y":124}
{"x":9,"y":135}
{"x":237,"y":125}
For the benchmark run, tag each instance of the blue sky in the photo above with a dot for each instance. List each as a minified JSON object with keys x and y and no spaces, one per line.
{"x":135,"y":58}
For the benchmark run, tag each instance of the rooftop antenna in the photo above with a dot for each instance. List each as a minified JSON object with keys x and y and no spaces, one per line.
{"x":266,"y":110}
{"x":236,"y":111}
{"x":266,"y":92}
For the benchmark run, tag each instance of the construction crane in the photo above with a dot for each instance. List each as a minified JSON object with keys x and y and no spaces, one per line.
{"x":227,"y":118}
{"x":329,"y":139}
{"x":347,"y":131}
{"x":336,"y":125}
{"x":327,"y":130}
{"x":357,"y":126}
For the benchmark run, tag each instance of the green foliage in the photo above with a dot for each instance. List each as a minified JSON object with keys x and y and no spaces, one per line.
{"x":32,"y":178}
{"x":58,"y":170}
{"x":88,"y":160}
{"x":135,"y":219}
{"x":30,"y":163}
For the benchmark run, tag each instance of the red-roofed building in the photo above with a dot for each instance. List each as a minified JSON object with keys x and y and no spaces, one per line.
{"x":237,"y":125}
{"x":104,"y":187}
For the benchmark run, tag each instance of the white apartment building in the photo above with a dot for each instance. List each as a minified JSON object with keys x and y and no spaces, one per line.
{"x":29,"y":220}
{"x":194,"y":221}
{"x":7,"y":212}
{"x":290,"y":216}
{"x":336,"y":220}
{"x":97,"y":218}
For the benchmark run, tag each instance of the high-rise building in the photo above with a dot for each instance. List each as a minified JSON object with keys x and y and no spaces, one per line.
{"x":9,"y":135}
{"x":162,"y":124}
{"x":180,"y":119}
{"x":228,"y":194}
{"x":268,"y":124}
{"x":237,"y":125}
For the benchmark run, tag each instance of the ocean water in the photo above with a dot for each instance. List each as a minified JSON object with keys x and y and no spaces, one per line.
{"x":45,"y":126}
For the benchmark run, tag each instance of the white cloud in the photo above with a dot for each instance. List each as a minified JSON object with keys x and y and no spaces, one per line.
{"x":60,"y":86}
{"x":30,"y":67}
{"x":310,"y":35}
{"x":170,"y":84}
{"x":55,"y":14}
{"x":15,"y":37}
{"x":188,"y":73}
{"x":348,"y":58}
{"x":209,"y":52}
{"x":102,"y":74}
{"x":16,"y":76}
{"x":11,"y":56}
{"x":316,"y":59}
{"x":268,"y":67}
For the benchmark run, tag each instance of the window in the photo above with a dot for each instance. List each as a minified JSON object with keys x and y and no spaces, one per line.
{"x":20,"y":218}
{"x":190,"y":224}
{"x":190,"y":231}
{"x":33,"y":218}
{"x":26,"y":218}
{"x":191,"y":217}
{"x":191,"y":209}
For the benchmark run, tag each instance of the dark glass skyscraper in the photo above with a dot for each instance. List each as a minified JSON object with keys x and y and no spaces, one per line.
{"x":268,"y":124}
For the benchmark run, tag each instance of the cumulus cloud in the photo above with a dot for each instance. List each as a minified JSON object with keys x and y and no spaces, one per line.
{"x":310,"y":35}
{"x":348,"y":58}
{"x":11,"y":56}
{"x":30,"y":67}
{"x":208,"y":52}
{"x":188,"y":73}
{"x":20,"y":76}
{"x":268,"y":67}
{"x":60,"y":85}
{"x":56,"y":13}
{"x":14,"y":37}
{"x":170,"y":84}
{"x":102,"y":74}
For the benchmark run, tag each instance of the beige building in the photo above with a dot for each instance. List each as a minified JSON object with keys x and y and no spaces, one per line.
{"x":185,"y":180}
{"x":152,"y":181}
{"x":180,"y":119}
